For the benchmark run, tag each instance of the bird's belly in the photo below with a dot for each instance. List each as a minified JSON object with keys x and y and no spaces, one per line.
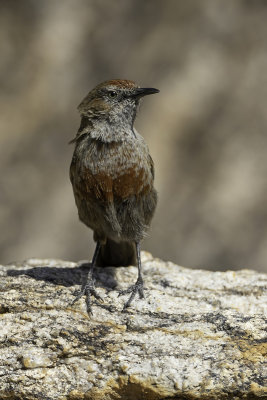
{"x":114,"y":194}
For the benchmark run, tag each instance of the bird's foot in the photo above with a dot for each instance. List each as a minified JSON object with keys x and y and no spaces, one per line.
{"x":138,"y":287}
{"x":88,"y":289}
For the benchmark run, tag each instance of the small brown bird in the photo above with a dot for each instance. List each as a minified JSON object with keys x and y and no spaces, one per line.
{"x":112,"y":175}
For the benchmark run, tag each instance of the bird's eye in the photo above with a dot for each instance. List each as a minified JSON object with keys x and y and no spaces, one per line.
{"x":112,"y":94}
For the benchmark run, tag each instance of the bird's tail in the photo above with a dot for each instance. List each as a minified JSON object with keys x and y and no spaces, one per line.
{"x":116,"y":254}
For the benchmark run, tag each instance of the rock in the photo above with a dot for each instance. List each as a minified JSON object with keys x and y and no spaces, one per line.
{"x":197,"y":335}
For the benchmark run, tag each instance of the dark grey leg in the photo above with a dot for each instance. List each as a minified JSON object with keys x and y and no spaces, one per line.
{"x":88,"y":287}
{"x":138,"y":286}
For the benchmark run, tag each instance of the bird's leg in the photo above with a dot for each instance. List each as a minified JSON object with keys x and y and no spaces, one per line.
{"x":88,"y":287}
{"x":138,"y":286}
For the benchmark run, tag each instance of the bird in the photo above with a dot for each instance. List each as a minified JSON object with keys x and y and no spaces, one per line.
{"x":112,"y":175}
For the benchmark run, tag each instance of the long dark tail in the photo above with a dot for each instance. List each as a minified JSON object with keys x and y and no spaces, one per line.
{"x":117,"y":254}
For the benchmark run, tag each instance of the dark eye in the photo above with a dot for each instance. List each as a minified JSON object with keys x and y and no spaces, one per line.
{"x":112,"y":94}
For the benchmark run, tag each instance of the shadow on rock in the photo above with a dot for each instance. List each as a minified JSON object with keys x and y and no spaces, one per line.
{"x":104,"y":277}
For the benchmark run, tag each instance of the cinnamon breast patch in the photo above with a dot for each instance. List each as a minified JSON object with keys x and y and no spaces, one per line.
{"x":104,"y":187}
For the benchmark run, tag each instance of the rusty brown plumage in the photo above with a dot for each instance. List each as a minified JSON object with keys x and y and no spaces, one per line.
{"x":105,"y":188}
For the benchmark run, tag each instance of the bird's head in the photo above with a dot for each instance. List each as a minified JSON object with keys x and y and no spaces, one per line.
{"x":115,"y":101}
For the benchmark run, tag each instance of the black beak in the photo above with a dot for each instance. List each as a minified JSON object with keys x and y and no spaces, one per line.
{"x":140,"y":92}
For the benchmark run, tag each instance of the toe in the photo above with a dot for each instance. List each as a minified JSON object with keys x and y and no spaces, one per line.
{"x":141,"y":293}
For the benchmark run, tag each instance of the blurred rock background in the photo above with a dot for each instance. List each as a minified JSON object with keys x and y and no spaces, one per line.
{"x":207,"y":129}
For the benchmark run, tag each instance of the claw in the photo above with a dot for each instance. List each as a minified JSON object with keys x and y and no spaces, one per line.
{"x":138,"y":287}
{"x":88,"y":291}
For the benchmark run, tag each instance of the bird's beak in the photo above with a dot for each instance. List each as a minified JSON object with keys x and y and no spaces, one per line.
{"x":140,"y":92}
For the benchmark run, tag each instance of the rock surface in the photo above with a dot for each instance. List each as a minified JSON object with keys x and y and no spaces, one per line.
{"x":197,"y":334}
